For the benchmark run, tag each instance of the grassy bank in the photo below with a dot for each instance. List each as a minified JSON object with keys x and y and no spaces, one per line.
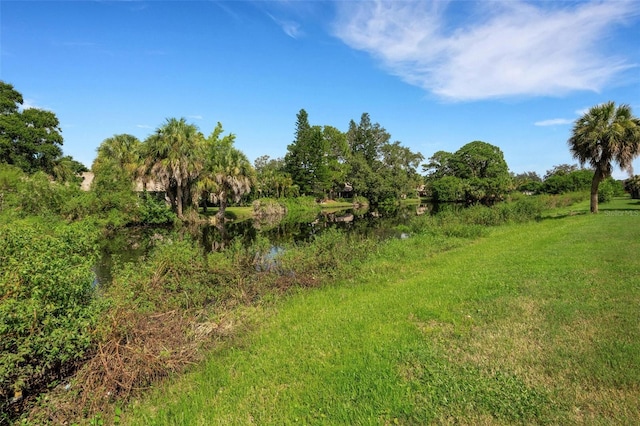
{"x":534,"y":323}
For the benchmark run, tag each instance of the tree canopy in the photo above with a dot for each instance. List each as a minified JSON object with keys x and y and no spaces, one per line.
{"x":477,"y":172}
{"x":29,"y":138}
{"x":323,"y":161}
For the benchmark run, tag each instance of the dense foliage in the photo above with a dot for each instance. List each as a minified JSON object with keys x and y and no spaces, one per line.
{"x":476,"y":173}
{"x":30,"y":138}
{"x":47,"y":311}
{"x":325,"y":162}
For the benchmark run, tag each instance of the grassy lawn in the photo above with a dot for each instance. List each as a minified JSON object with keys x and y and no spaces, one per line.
{"x":535,"y":323}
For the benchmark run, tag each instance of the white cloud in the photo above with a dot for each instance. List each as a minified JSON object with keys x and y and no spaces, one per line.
{"x":493,"y":49}
{"x":553,"y":122}
{"x":144,"y":126}
{"x":28,"y":103}
{"x":195,"y":117}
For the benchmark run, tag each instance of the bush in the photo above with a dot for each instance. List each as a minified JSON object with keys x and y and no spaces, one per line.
{"x":560,"y":183}
{"x":449,"y":189}
{"x":154,"y":211}
{"x":267,"y":207}
{"x":47,"y":305}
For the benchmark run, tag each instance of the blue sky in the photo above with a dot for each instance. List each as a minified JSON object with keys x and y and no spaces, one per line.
{"x":435,"y":74}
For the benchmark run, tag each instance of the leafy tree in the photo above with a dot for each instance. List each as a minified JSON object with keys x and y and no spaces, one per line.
{"x":227,"y":173}
{"x":365,"y":175}
{"x":315,"y":159}
{"x":606,"y":134}
{"x":439,"y":165}
{"x":479,"y":160}
{"x":561,"y":170}
{"x":527,"y":181}
{"x":400,"y":165}
{"x":66,"y":169}
{"x":174,"y":155}
{"x":483,"y":172}
{"x":305,"y":158}
{"x":322,"y":159}
{"x":10,"y":99}
{"x":336,"y":158}
{"x":367,"y":140}
{"x":29,"y":139}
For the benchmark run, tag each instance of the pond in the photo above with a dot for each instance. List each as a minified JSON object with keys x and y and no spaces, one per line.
{"x":130,"y":244}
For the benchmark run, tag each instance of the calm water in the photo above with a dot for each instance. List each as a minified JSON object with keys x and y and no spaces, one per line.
{"x":132,"y":243}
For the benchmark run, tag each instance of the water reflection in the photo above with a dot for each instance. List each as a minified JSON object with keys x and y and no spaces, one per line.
{"x":132,"y":243}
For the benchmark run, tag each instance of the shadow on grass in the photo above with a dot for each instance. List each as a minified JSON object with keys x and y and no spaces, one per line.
{"x":563,"y":215}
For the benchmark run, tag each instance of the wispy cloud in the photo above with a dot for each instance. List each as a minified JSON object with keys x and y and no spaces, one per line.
{"x":290,"y":28}
{"x":195,"y":117}
{"x":553,"y":122}
{"x":495,"y":50}
{"x":144,"y":126}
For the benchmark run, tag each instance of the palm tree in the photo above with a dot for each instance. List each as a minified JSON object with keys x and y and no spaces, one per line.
{"x":173,"y":155}
{"x":121,"y":151}
{"x":606,"y":134}
{"x":228,"y":172}
{"x":66,"y":169}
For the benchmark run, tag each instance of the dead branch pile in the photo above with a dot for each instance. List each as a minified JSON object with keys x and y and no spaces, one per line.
{"x":148,"y":349}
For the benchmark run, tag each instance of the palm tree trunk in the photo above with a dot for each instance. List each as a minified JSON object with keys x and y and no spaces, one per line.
{"x":170,"y":192}
{"x":223,"y":206}
{"x":179,"y":201}
{"x":597,"y":178}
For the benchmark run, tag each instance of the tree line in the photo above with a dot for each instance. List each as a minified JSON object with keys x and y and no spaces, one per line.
{"x":322,"y":161}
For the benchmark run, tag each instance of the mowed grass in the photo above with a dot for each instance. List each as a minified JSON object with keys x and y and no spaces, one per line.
{"x":534,"y":323}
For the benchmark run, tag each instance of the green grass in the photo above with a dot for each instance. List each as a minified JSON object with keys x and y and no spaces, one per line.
{"x":534,"y":323}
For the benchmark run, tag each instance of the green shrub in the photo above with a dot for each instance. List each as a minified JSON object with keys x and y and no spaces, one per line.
{"x":47,"y":305}
{"x":449,"y":189}
{"x":265,"y":207}
{"x":174,"y":275}
{"x":560,"y":183}
{"x":153,"y":211}
{"x":605,"y":191}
